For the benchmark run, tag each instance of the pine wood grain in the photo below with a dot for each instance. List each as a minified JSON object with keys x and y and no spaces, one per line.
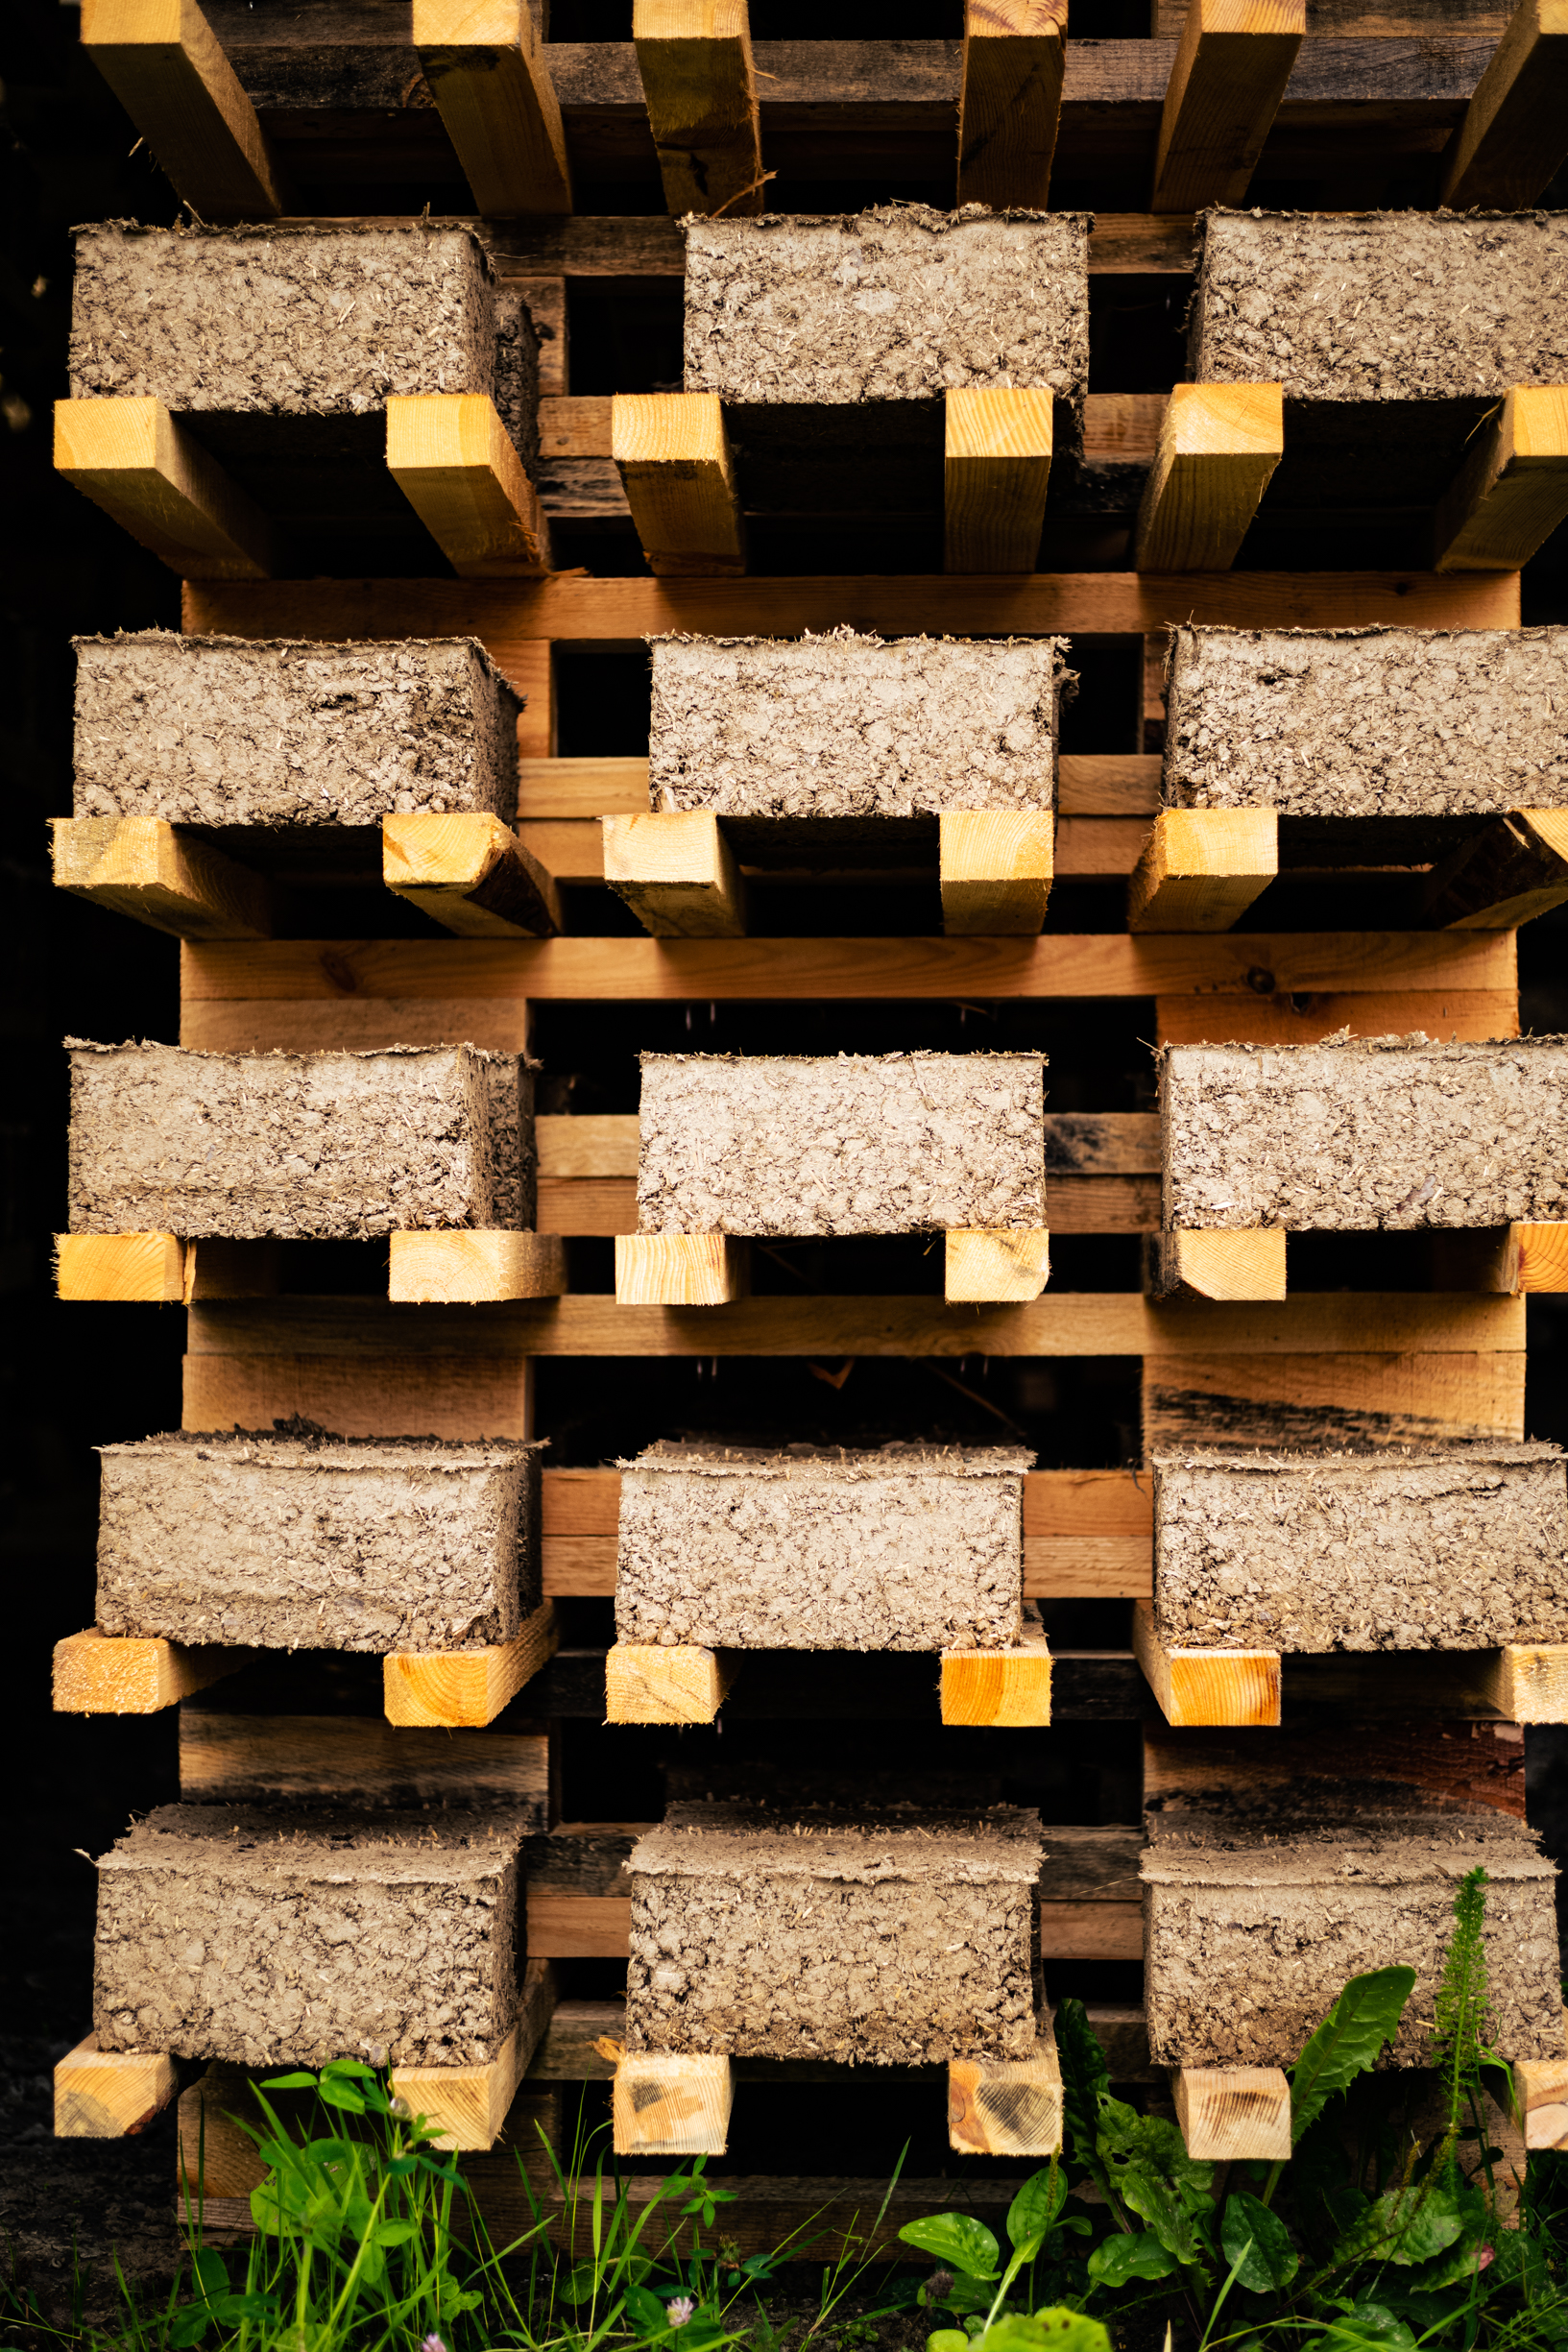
{"x":996,"y":867}
{"x":1000,"y":1687}
{"x":484,"y":63}
{"x":1218,"y":448}
{"x":695,"y":58}
{"x":1443,"y":1764}
{"x":452,"y":458}
{"x":1202,"y":868}
{"x":1207,"y":1686}
{"x":122,"y":1265}
{"x":1006,"y":2106}
{"x":426,"y":1687}
{"x":1538,"y":1257}
{"x":1540,"y":2090}
{"x":590,"y":789}
{"x":159,"y":875}
{"x":1514,"y":135}
{"x":96,"y":1674}
{"x":1249,"y":1264}
{"x":1526,"y":1682}
{"x":1234,"y":2114}
{"x":996,"y":468}
{"x":469,"y":873}
{"x":675,"y":463}
{"x":676,"y":1683}
{"x":1513,"y":490}
{"x":983,"y":1265}
{"x":467,"y":2106}
{"x":406,"y":1394}
{"x":664,"y":2105}
{"x":475,"y":1267}
{"x":677,"y":873}
{"x":1306,"y":1016}
{"x":1009,"y":101}
{"x":357,"y":1760}
{"x":1225,"y":86}
{"x":155,"y":480}
{"x":1336,"y":1395}
{"x":679,"y":1269}
{"x":109,"y":2093}
{"x":161,"y":61}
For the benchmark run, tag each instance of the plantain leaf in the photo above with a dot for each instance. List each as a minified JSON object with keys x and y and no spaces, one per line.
{"x":1365,"y":2016}
{"x":956,"y":2240}
{"x":1270,"y":2260}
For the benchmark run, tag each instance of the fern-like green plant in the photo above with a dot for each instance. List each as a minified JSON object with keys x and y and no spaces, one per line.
{"x":1460,"y":2016}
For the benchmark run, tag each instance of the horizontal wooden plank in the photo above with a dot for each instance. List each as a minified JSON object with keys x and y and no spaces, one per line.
{"x":580,"y":1502}
{"x":1307,"y":1016}
{"x":599,"y":1927}
{"x":262,"y":1759}
{"x":1337,"y":1398}
{"x":572,"y":850}
{"x":637,"y":246}
{"x":1251,"y":970}
{"x":1055,"y":1567}
{"x":1074,"y":1205}
{"x":509,"y":615}
{"x":1116,"y":424}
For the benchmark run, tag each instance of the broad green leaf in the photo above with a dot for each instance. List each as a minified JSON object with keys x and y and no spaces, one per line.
{"x":1036,"y":2205}
{"x":946,"y":2340}
{"x":1085,"y":2079}
{"x":1404,"y":2226}
{"x":1150,"y":2171}
{"x":646,"y":2312}
{"x":349,"y":2066}
{"x":1129,"y":2255}
{"x":956,"y":2240}
{"x":212,"y":2272}
{"x":342,"y":2094}
{"x":1366,"y":2324}
{"x":395,"y":2233}
{"x":189,"y":2324}
{"x":1057,"y":2329}
{"x":1365,"y":2016}
{"x":1270,"y":2261}
{"x":289,"y":2082}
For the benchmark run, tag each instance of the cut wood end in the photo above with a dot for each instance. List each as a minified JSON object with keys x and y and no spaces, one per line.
{"x":431,"y":848}
{"x":678,"y":1683}
{"x":1226,"y":420}
{"x":656,"y":428}
{"x":471,"y":1268}
{"x":1234,"y":2113}
{"x":106,"y":2095}
{"x":995,"y":1265}
{"x":138,"y":1266}
{"x":1247,"y":1264}
{"x":665,"y":2105}
{"x":679,"y":1269}
{"x":1006,"y":2106}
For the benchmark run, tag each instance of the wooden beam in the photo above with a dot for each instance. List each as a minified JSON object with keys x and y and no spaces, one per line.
{"x":1203,"y":868}
{"x":1470,"y":1015}
{"x":485,"y":66}
{"x":452,"y":458}
{"x":1207,"y":1686}
{"x":467,"y":2106}
{"x":155,"y":480}
{"x":133,"y":1266}
{"x":674,"y":459}
{"x":163,"y":64}
{"x":470,"y":874}
{"x":582,"y":788}
{"x":1006,"y":2106}
{"x":1540,"y":2091}
{"x":664,"y":2106}
{"x":160,"y":874}
{"x":107,"y":2093}
{"x":588,"y":1144}
{"x":1218,"y":448}
{"x":996,"y":468}
{"x":215,"y":2156}
{"x":1526,"y":1682}
{"x":991,"y":1265}
{"x":98,"y":1674}
{"x":1247,"y":1264}
{"x":681,"y":1269}
{"x":677,"y":873}
{"x":694,"y":56}
{"x":1010,"y":101}
{"x":1231,"y":67}
{"x":1514,"y":869}
{"x":1234,"y":2113}
{"x":466,"y":1686}
{"x":470,"y":1267}
{"x":999,"y":1689}
{"x":1536,"y":1258}
{"x":1514,"y":135}
{"x":1512,"y":491}
{"x":678,"y":1683}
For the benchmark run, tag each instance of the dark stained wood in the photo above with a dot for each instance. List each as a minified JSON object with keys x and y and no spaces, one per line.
{"x":1462,"y":1765}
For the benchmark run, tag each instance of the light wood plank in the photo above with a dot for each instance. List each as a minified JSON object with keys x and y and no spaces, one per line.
{"x":582,"y":788}
{"x":996,"y":468}
{"x":1382,"y":1396}
{"x":1538,"y":1257}
{"x":664,"y":2106}
{"x":589,"y":1145}
{"x":124,"y":1265}
{"x":1088,"y":1568}
{"x":358,"y":1759}
{"x":1203,"y":868}
{"x":485,"y":66}
{"x":1513,"y":490}
{"x":677,"y":873}
{"x":159,"y":875}
{"x":426,"y":1688}
{"x":1526,"y":1682}
{"x":678,"y":1683}
{"x":1115,"y":784}
{"x":441,"y":1397}
{"x":133,"y":1674}
{"x":1218,"y":448}
{"x":469,"y":873}
{"x":475,"y":1267}
{"x":681,"y":1269}
{"x":467,"y":2106}
{"x":163,"y":64}
{"x":1006,"y":2106}
{"x":1207,"y":1686}
{"x":566,"y":849}
{"x":1010,"y":101}
{"x":106,"y":2093}
{"x":1007,"y":1688}
{"x":1234,"y":2114}
{"x":1234,"y":59}
{"x":695,"y":60}
{"x":990,"y":1265}
{"x":1249,"y":1264}
{"x":1514,"y":135}
{"x":995,"y":871}
{"x":1306,"y":1017}
{"x":155,"y":480}
{"x":1540,"y":2090}
{"x":674,"y":459}
{"x":216,"y":2156}
{"x":452,"y":458}
{"x":578,"y":1927}
{"x":1103,"y":1145}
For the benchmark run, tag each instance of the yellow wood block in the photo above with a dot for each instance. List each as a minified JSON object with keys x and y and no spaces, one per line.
{"x":680,"y":1269}
{"x":997,"y":867}
{"x":582,"y":788}
{"x":996,"y":468}
{"x":1229,"y":76}
{"x":1001,"y":1689}
{"x":135,"y":1266}
{"x":133,"y":1674}
{"x":451,"y":457}
{"x":466,"y":1686}
{"x":1514,"y":135}
{"x":664,"y":2106}
{"x":136,"y":461}
{"x":1540,"y":2089}
{"x":1006,"y":2106}
{"x":484,"y":63}
{"x":160,"y":876}
{"x":1513,"y":490}
{"x":106,"y":2093}
{"x":677,"y":873}
{"x":467,"y":2106}
{"x":645,"y":1681}
{"x":587,"y":1144}
{"x":472,"y":1267}
{"x":1538,"y":1257}
{"x":1220,"y":445}
{"x":674,"y":459}
{"x":1207,"y":1686}
{"x":165,"y":66}
{"x":1010,"y":101}
{"x":1248,"y":1263}
{"x":1234,"y":2113}
{"x":995,"y":1264}
{"x":215,"y":2156}
{"x":1203,"y":868}
{"x":469,"y":873}
{"x":1526,"y":1682}
{"x":694,"y":56}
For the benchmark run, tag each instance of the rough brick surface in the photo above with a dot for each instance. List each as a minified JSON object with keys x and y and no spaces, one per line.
{"x":273,"y":1938}
{"x":279,"y":731}
{"x":1250,"y":1932}
{"x":850,"y":726}
{"x":1439,"y":1548}
{"x":903,"y":1940}
{"x":318,"y":1544}
{"x":1367,"y":722}
{"x":896,"y":1143}
{"x":297,"y":1145}
{"x":909,"y":1548}
{"x":1395,"y":1132}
